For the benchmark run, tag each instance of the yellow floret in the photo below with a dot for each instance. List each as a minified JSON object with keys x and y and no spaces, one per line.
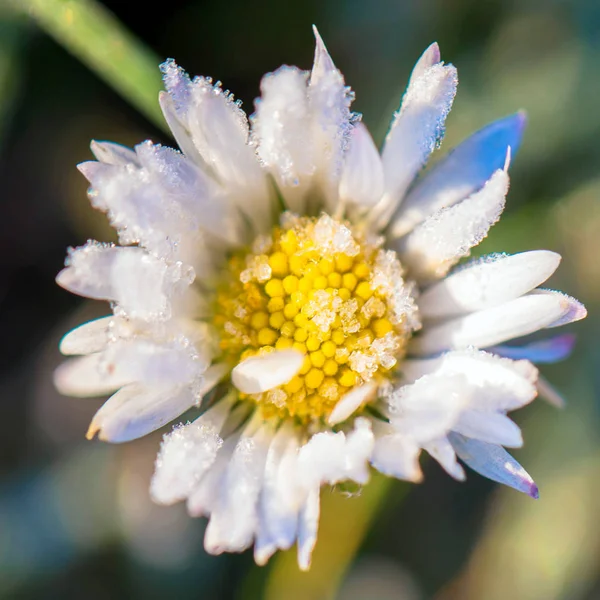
{"x":300,"y":334}
{"x":314,"y":378}
{"x":330,"y":367}
{"x":364,"y":290}
{"x":278,"y":261}
{"x":320,"y":282}
{"x":283,"y":343}
{"x":348,"y":378}
{"x":294,"y":385}
{"x":343,"y":263}
{"x":334,"y":280}
{"x":349,"y":281}
{"x":258,"y":320}
{"x":328,"y":348}
{"x":290,"y":284}
{"x":296,"y":264}
{"x":274,"y":288}
{"x":276,"y":320}
{"x":290,"y":311}
{"x":338,"y":337}
{"x":306,"y":366}
{"x":317,"y":358}
{"x":275,"y":304}
{"x":267,"y":336}
{"x":361,"y":270}
{"x":381,"y":327}
{"x":326,"y":266}
{"x":313,"y":343}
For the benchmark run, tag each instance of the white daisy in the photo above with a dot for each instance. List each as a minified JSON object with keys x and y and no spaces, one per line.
{"x":296,"y":286}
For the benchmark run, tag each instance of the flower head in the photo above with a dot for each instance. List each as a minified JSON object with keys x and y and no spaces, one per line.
{"x":297,"y":287}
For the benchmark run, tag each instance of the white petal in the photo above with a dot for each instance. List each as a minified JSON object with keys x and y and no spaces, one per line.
{"x":463,"y":171}
{"x":87,"y":376}
{"x":574,"y":310}
{"x":333,"y":457}
{"x":186,"y":454}
{"x":494,"y":428}
{"x":234,"y":519}
{"x":488,"y":282}
{"x":549,"y":393}
{"x":397,"y":455}
{"x":428,"y":409}
{"x":447,"y":236}
{"x":329,"y":101}
{"x":417,"y":129}
{"x":262,"y":373}
{"x":90,"y":337}
{"x":264,"y":547}
{"x":494,"y":463}
{"x":496,"y":383}
{"x":281,"y":127}
{"x":308,"y":525}
{"x":281,"y":497}
{"x":113,"y":154}
{"x":492,"y":326}
{"x":430,"y":57}
{"x":141,"y":284}
{"x":135,"y":411}
{"x":443,"y":452}
{"x":362,"y":182}
{"x":351,"y":402}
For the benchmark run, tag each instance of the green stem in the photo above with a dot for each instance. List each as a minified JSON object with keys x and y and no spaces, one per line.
{"x":93,"y":34}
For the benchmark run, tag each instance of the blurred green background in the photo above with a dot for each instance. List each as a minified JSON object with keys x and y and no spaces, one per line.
{"x":75,"y":517}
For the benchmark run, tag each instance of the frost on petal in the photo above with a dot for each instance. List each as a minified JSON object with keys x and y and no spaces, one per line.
{"x":463,"y":171}
{"x":113,"y":154}
{"x":491,"y":326}
{"x":573,"y":309}
{"x":489,"y":281}
{"x":93,"y":336}
{"x":362,"y":182}
{"x":443,"y":452}
{"x":417,"y":129}
{"x":549,"y":350}
{"x":281,"y":497}
{"x":427,"y":409}
{"x":212,"y":129}
{"x":262,"y":373}
{"x":141,"y":284}
{"x":308,"y":524}
{"x":351,"y":402}
{"x":331,"y":120}
{"x":491,"y":427}
{"x":135,"y":411}
{"x":282,"y":133}
{"x":334,"y":457}
{"x":397,"y":456}
{"x":497,"y":383}
{"x":493,"y":462}
{"x":234,"y":518}
{"x":447,"y":236}
{"x":186,"y":454}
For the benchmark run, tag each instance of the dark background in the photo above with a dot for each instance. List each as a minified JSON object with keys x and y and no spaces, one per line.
{"x":75,"y":519}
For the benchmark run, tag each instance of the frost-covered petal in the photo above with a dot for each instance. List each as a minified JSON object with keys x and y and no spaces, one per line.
{"x":140,"y":283}
{"x":495,"y":463}
{"x":428,"y":408}
{"x":496,"y":383}
{"x":463,"y":171}
{"x":575,"y":310}
{"x":447,"y":236}
{"x":281,"y":128}
{"x":416,"y":130}
{"x":234,"y":517}
{"x":491,"y":427}
{"x":492,"y":326}
{"x":113,"y":154}
{"x":135,"y":411}
{"x":351,"y":402}
{"x":333,"y":457}
{"x":442,"y":451}
{"x":397,"y":455}
{"x":281,"y":497}
{"x":92,"y":336}
{"x":549,"y":350}
{"x":329,"y":100}
{"x":362,"y":181}
{"x":186,"y":454}
{"x":308,"y":524}
{"x":488,"y":282}
{"x":262,"y":373}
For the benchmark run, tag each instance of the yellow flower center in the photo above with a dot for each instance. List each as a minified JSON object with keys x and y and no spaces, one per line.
{"x":319,"y":287}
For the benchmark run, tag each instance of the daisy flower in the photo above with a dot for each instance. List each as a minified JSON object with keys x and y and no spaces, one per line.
{"x":296,"y":291}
